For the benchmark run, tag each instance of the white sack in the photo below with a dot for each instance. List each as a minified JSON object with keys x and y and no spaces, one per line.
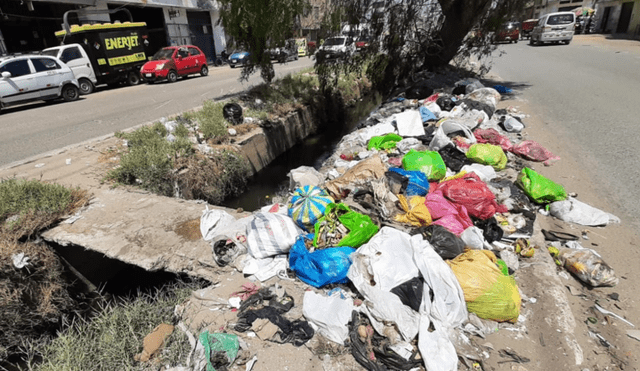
{"x":271,"y":234}
{"x":329,"y":315}
{"x":574,"y":211}
{"x":473,"y":238}
{"x":212,"y":220}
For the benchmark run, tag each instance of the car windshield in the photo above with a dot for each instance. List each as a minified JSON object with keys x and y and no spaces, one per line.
{"x":334,"y":41}
{"x":50,"y":52}
{"x":560,"y":19}
{"x":163,"y":54}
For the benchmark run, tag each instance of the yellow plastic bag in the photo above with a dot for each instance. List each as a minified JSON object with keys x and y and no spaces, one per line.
{"x":416,"y":211}
{"x":488,"y":292}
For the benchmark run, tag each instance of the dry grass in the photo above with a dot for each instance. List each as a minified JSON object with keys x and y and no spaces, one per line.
{"x":189,"y":230}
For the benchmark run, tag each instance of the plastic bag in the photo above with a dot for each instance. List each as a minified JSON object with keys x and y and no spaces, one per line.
{"x":220,"y":349}
{"x":453,"y":157}
{"x":307,"y":205}
{"x":418,"y":183}
{"x":213,"y":220}
{"x":574,"y":211}
{"x":451,"y":216}
{"x":487,"y":291}
{"x":450,"y":127}
{"x":488,"y":154}
{"x":485,"y":95}
{"x":533,"y":151}
{"x":491,"y":231}
{"x":321,"y":267}
{"x":485,"y":172}
{"x":445,"y":103}
{"x":472,"y":193}
{"x":387,"y":141}
{"x":304,"y":175}
{"x":410,"y":292}
{"x":539,"y":188}
{"x":360,"y":227}
{"x":429,"y":162}
{"x":445,"y":243}
{"x":588,"y":267}
{"x":397,"y":182}
{"x":416,"y":211}
{"x":426,"y":114}
{"x":492,"y":136}
{"x":329,"y":315}
{"x":232,"y":112}
{"x":271,"y":234}
{"x":473,"y":238}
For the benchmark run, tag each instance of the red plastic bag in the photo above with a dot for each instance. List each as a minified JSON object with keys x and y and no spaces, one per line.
{"x":472,"y":193}
{"x":445,"y":213}
{"x":533,"y":151}
{"x":492,"y":136}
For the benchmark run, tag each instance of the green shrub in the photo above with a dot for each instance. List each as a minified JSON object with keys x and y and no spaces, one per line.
{"x":212,"y":122}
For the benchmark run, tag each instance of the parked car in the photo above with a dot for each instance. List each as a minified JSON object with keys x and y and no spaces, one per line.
{"x":289,"y":52}
{"x":362,"y":43}
{"x":527,"y":27}
{"x":239,"y":58}
{"x":27,"y":78}
{"x":172,"y":62}
{"x":554,"y":27}
{"x":509,"y":31}
{"x":337,"y":47}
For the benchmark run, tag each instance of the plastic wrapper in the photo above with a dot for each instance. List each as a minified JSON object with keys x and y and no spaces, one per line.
{"x":588,"y":266}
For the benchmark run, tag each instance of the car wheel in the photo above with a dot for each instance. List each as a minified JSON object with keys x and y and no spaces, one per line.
{"x":70,"y":93}
{"x":133,"y":79}
{"x":172,"y":76}
{"x":296,"y":57}
{"x":567,"y":42}
{"x":86,"y":86}
{"x":515,"y":41}
{"x":204,"y":71}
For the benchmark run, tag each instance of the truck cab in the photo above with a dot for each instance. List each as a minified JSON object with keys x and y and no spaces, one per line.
{"x":74,"y":56}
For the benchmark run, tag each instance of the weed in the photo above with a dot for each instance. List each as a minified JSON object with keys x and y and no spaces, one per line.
{"x":212,"y":122}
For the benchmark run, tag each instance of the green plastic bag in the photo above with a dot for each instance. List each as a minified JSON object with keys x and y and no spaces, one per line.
{"x":429,"y":162}
{"x":487,"y":154}
{"x":539,"y":188}
{"x":388,"y":141}
{"x":219,"y":342}
{"x":361,"y":227}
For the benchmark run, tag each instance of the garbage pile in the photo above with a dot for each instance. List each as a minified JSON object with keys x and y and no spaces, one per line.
{"x":408,"y":233}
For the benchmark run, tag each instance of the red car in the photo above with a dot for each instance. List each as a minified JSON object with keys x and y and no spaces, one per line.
{"x":173,"y":61}
{"x":509,"y":32}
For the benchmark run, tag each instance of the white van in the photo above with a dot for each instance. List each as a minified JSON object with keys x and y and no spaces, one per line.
{"x":554,"y":27}
{"x":74,"y":56}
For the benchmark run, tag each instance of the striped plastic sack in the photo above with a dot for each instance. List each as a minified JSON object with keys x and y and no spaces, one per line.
{"x":307,"y":205}
{"x":271,"y":234}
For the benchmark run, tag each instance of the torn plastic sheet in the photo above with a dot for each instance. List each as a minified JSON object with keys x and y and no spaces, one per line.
{"x":574,"y":211}
{"x":329,"y":315}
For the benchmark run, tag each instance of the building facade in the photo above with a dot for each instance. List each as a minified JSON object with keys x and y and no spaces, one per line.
{"x":29,"y":25}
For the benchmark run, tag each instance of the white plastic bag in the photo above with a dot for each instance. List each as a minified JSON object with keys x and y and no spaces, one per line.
{"x":407,"y":143}
{"x":271,"y":234}
{"x":440,"y":138}
{"x":329,"y":315}
{"x":484,"y":172}
{"x":485,"y":95}
{"x":473,"y":238}
{"x":213,"y":220}
{"x":434,"y":108}
{"x":440,"y":315}
{"x":264,"y":269}
{"x":574,"y":211}
{"x":409,"y":123}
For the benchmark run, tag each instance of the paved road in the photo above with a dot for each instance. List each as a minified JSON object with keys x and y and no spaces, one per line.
{"x":29,"y":130}
{"x":588,"y":93}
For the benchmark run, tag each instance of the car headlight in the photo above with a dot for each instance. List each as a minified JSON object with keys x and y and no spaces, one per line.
{"x":159,"y":66}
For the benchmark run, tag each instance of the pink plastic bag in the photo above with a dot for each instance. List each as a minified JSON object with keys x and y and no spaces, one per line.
{"x":449,"y":215}
{"x":492,"y":136}
{"x":432,"y":98}
{"x":472,"y":193}
{"x":533,"y":151}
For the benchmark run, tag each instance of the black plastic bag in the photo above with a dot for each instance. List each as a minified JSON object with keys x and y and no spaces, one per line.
{"x":474,"y":104}
{"x":445,"y":103}
{"x":397,"y":182}
{"x":490,"y":229}
{"x":453,"y":157}
{"x":410,"y":293}
{"x":419,"y":90}
{"x":232,"y":112}
{"x":460,"y":89}
{"x":445,"y":243}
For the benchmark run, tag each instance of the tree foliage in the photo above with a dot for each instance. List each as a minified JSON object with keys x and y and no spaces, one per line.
{"x":411,"y":36}
{"x":256,"y":26}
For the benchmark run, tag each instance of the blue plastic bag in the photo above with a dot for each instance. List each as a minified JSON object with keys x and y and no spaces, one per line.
{"x":426,"y":114}
{"x":418,"y":181}
{"x":321,"y":267}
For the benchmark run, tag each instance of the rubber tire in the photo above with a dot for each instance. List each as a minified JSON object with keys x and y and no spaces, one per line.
{"x":567,"y":42}
{"x":172,"y":76}
{"x":70,"y":93}
{"x":86,"y":86}
{"x":204,"y":71}
{"x":133,"y":79}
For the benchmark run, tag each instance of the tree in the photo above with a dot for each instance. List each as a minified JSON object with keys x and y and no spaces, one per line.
{"x":411,"y":36}
{"x":256,"y":26}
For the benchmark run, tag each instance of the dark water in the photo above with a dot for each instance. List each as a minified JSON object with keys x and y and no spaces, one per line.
{"x":273,"y":180}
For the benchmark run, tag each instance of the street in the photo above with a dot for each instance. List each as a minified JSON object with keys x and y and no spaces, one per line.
{"x":587,"y":95}
{"x":36,"y":128}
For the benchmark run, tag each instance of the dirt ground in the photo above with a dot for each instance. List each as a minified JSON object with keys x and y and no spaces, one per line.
{"x":557,"y":315}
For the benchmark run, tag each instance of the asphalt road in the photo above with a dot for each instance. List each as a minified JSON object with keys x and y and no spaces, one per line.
{"x":587,"y":94}
{"x":30,"y":130}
